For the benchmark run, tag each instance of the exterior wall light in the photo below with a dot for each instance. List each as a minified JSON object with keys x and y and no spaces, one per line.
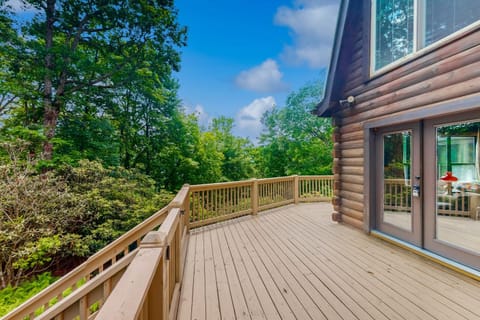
{"x":347,"y":102}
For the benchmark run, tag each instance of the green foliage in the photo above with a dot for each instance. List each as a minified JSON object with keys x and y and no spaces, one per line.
{"x":238,"y":162}
{"x":73,"y":55}
{"x":37,"y":215}
{"x":294,"y":140}
{"x":11,"y":297}
{"x":48,"y":218}
{"x":116,"y":200}
{"x":83,"y":136}
{"x":210,"y":159}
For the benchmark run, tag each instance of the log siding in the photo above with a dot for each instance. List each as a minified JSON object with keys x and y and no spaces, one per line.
{"x":447,"y":73}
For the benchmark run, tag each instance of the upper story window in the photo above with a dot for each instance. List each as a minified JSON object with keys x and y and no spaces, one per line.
{"x":402,"y":27}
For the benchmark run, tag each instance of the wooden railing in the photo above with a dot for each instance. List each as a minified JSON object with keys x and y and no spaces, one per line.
{"x":216,"y":202}
{"x":95,"y":266}
{"x":139,"y":275}
{"x":315,"y":188}
{"x":210,"y":203}
{"x":397,"y":195}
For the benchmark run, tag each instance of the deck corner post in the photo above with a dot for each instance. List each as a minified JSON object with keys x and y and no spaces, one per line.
{"x":154,"y":239}
{"x":254,"y":196}
{"x":296,"y":193}
{"x":186,"y":209}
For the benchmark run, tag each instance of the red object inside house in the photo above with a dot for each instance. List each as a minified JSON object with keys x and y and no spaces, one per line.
{"x":448,"y":177}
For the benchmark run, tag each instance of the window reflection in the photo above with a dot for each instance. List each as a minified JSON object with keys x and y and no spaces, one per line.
{"x":397,"y":195}
{"x":443,"y":18}
{"x":458,"y":185}
{"x":394,"y":31}
{"x":402,"y":27}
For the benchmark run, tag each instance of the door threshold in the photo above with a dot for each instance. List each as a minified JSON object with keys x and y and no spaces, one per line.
{"x":453,"y":265}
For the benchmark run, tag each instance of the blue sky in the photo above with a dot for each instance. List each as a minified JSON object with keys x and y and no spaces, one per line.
{"x":244,"y":57}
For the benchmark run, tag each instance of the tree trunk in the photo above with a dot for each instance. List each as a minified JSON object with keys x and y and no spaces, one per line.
{"x":50,"y":109}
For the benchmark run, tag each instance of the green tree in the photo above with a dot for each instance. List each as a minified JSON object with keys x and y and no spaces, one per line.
{"x":85,"y":135}
{"x":16,"y":86}
{"x":238,"y":162}
{"x":295,"y":141}
{"x":76,"y":48}
{"x":179,"y":160}
{"x":210,"y":159}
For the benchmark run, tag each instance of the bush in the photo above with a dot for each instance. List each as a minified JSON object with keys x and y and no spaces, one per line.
{"x":116,"y":200}
{"x":38,"y":215}
{"x":49,"y":219}
{"x":11,"y":297}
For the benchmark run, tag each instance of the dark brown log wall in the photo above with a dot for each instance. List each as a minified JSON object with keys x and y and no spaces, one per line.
{"x":449,"y":72}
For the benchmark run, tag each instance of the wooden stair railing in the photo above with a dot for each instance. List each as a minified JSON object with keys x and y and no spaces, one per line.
{"x":85,"y":302}
{"x":121,"y":279}
{"x":101,"y":261}
{"x":150,"y":288}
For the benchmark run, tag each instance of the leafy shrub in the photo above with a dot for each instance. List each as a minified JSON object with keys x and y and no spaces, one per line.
{"x":38,"y":215}
{"x":12,"y":297}
{"x":49,"y":219}
{"x":116,"y":200}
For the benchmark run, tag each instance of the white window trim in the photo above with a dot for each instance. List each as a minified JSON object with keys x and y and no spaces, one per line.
{"x":416,"y":44}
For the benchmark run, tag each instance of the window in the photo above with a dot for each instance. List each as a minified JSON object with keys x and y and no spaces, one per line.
{"x":394,"y":31}
{"x":402,"y":27}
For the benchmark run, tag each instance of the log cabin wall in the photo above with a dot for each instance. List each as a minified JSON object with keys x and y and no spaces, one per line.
{"x":446,"y":73}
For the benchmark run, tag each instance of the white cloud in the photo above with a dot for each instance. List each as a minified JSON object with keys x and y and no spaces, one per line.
{"x":263,"y":78}
{"x":249,"y":118}
{"x":203,"y":117}
{"x":312,"y":24}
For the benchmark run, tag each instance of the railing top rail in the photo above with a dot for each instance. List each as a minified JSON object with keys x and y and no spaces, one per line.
{"x":125,"y":302}
{"x":397,"y":180}
{"x":220,"y":185}
{"x":319,"y":177}
{"x":166,"y":231}
{"x":276,"y":179}
{"x":223,"y":185}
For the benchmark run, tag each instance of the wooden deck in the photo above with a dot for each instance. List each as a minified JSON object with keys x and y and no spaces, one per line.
{"x":294,"y":263}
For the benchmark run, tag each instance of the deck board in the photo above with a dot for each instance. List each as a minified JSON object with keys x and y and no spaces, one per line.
{"x":294,"y":263}
{"x":268,"y":282}
{"x":224,"y":295}
{"x":234,"y":282}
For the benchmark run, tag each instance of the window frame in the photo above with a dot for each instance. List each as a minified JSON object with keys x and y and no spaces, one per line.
{"x":418,"y":38}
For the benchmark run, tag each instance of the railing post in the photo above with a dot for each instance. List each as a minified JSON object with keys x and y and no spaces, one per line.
{"x":187,"y":208}
{"x":295,"y":189}
{"x":158,"y":295}
{"x":254,"y":196}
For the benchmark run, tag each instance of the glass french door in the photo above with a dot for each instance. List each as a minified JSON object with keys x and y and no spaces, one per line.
{"x":398,"y":181}
{"x":452,"y":188}
{"x":427,"y":185}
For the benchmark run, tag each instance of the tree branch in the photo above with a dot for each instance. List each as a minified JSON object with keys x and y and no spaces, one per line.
{"x":4,"y":104}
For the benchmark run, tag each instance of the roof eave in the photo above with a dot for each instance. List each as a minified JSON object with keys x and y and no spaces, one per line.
{"x":324,"y":108}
